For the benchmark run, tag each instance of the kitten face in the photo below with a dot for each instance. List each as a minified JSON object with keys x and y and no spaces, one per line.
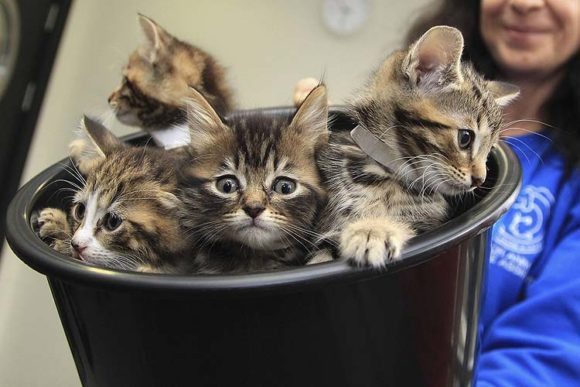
{"x":444,"y":142}
{"x":255,"y":181}
{"x":257,"y":189}
{"x":125,"y":215}
{"x":437,"y":116}
{"x":158,"y":77}
{"x":150,"y":94}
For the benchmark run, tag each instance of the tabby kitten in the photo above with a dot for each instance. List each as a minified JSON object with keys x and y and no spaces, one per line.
{"x":158,"y":78}
{"x":125,"y":214}
{"x":426,"y":124}
{"x":253,"y":188}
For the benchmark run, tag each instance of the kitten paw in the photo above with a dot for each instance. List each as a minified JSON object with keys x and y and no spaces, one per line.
{"x":373,"y":242}
{"x":84,"y":156}
{"x":302,"y":88}
{"x":51,"y":225}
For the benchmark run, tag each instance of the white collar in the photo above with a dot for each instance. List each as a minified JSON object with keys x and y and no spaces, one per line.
{"x":373,"y":147}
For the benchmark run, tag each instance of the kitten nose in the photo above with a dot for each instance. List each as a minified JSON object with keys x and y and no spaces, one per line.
{"x":476,"y":181}
{"x":110,"y":98}
{"x":78,"y":248}
{"x":254,"y":209}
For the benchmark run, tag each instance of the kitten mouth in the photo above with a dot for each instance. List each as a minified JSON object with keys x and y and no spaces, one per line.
{"x":77,"y":256}
{"x":254,"y":224}
{"x":257,"y":235}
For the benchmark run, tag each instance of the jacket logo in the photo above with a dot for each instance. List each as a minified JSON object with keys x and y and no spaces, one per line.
{"x":520,"y":234}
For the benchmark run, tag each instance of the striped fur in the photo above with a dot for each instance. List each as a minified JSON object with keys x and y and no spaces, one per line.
{"x":255,"y":227}
{"x":416,"y":103}
{"x":157,"y":79}
{"x":135,"y":186}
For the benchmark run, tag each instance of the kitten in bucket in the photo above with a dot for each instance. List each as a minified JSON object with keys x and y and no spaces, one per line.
{"x":158,"y":78}
{"x":125,"y":210}
{"x":426,"y":124}
{"x":254,"y":187}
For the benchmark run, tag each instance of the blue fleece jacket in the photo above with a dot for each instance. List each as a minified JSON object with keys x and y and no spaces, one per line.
{"x":530,"y":322}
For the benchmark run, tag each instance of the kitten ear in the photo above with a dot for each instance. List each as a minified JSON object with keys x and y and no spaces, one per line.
{"x":503,"y":93}
{"x":311,"y":118}
{"x":434,"y":60}
{"x":103,"y":140}
{"x":203,"y":122}
{"x":157,"y":37}
{"x":95,"y":142}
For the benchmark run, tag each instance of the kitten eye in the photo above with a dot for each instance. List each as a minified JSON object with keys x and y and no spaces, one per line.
{"x":465,"y":138}
{"x":112,"y":221}
{"x":284,"y":186}
{"x":227,"y":184}
{"x":79,"y":211}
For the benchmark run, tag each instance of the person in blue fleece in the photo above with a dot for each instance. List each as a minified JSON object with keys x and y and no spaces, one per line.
{"x":530,"y":322}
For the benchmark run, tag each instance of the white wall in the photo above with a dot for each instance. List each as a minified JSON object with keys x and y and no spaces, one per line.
{"x":267,"y":45}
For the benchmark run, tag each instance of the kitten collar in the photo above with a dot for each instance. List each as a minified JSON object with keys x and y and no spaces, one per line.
{"x":373,"y":147}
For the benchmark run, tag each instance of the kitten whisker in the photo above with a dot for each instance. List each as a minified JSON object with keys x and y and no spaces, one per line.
{"x":505,"y":139}
{"x":529,"y":132}
{"x":385,"y":132}
{"x":143,"y":154}
{"x":74,"y":172}
{"x":297,"y":237}
{"x":423,"y":192}
{"x":533,"y":122}
{"x":67,"y":182}
{"x":435,"y":187}
{"x":309,"y":232}
{"x":448,"y":180}
{"x":108,"y":117}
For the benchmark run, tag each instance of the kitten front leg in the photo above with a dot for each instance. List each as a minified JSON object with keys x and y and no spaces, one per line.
{"x":374,"y":241}
{"x":51,"y":225}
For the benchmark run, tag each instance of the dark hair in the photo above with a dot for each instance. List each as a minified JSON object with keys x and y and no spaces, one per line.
{"x":563,"y":108}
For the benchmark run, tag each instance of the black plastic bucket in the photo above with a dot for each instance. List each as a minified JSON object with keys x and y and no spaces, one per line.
{"x":323,"y":325}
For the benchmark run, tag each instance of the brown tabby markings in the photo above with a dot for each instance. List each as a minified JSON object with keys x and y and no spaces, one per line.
{"x":158,"y":78}
{"x":418,"y":104}
{"x":257,"y":226}
{"x":139,"y":186}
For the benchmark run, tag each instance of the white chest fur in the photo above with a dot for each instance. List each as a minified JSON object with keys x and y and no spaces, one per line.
{"x":173,"y":137}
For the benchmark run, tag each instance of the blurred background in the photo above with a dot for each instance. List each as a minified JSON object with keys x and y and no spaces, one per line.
{"x":267,"y":45}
